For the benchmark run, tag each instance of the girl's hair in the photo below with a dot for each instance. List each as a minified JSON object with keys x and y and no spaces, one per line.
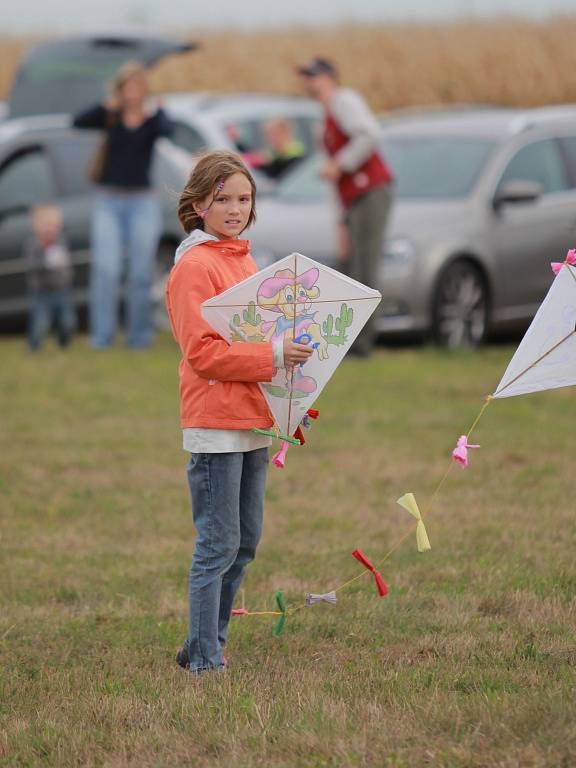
{"x":127,"y":71}
{"x":211,"y":171}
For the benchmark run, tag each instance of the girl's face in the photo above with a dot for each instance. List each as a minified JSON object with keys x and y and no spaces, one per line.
{"x":228,"y":208}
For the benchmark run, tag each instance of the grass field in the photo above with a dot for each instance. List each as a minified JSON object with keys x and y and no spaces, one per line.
{"x":498,"y":61}
{"x":469,"y":661}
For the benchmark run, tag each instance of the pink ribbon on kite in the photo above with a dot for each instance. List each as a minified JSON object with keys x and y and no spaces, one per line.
{"x":381,"y":585}
{"x":570,"y":259}
{"x":460,"y":453}
{"x":239,"y":612}
{"x":279,"y":459}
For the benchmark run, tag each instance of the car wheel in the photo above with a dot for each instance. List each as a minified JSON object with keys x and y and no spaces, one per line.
{"x":461,"y":307}
{"x":164,"y":262}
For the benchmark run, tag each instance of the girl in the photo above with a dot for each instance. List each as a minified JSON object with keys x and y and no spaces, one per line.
{"x":220,"y":400}
{"x":126,"y":212}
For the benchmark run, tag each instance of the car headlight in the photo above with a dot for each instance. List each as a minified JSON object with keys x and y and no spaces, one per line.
{"x":398,"y":258}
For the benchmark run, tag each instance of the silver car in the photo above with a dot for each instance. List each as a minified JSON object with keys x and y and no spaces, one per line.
{"x":485,"y":199}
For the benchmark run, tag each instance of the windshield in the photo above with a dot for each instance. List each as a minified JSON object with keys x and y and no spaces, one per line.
{"x":425,"y":167}
{"x":61,"y":84}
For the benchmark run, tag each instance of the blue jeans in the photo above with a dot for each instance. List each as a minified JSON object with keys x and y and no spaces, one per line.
{"x":51,"y":307}
{"x":130,"y":223}
{"x":227,"y":492}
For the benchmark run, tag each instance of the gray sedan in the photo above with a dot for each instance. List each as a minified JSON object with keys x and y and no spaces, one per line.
{"x":485,"y":199}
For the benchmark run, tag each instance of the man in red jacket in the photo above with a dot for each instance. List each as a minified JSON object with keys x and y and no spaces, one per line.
{"x":362,"y":178}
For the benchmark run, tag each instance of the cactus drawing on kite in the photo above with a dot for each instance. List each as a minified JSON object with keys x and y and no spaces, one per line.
{"x":300,"y":299}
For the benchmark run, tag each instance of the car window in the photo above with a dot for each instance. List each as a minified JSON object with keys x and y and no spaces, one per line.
{"x":304,"y":183}
{"x":72,"y":157}
{"x":436,"y":167}
{"x":425,"y":167}
{"x":569,"y":149}
{"x":26,"y":180}
{"x":68,"y":75}
{"x":540,"y":162}
{"x":188,"y":138}
{"x":249,"y":135}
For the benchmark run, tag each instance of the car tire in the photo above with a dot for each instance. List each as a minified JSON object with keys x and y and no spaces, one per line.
{"x":461,"y":306}
{"x":164,"y":263}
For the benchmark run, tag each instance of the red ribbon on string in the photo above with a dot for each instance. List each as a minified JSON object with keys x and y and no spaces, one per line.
{"x":380,"y":583}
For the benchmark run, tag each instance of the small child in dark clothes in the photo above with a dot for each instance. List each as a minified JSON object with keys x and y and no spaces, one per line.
{"x":49,"y":278}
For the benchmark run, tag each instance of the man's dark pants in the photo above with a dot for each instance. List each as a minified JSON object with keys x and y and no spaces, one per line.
{"x":366,"y":221}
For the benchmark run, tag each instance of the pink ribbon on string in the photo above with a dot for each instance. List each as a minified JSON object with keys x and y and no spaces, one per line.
{"x":460,"y":453}
{"x":570,"y":259}
{"x":279,"y":459}
{"x":239,"y":612}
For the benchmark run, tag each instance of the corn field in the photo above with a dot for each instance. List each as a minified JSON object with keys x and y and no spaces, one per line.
{"x":497,"y":61}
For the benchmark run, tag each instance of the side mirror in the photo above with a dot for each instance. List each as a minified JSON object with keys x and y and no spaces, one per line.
{"x":517,"y":191}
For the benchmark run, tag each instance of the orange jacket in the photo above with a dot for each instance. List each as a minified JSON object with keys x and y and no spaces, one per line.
{"x":217,"y":379}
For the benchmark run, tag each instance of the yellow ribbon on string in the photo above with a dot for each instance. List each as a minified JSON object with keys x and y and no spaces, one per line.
{"x":409,"y":502}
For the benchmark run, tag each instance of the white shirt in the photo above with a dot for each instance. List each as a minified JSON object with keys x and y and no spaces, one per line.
{"x":356,"y":119}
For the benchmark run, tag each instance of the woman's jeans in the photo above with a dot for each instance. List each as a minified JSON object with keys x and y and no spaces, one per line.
{"x":227,"y":492}
{"x":123,"y":223}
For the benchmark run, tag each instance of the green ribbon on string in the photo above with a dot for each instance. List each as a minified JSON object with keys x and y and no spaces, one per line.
{"x":281,"y":623}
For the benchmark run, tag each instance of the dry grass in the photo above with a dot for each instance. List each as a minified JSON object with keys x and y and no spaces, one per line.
{"x":501,"y":61}
{"x":468,"y":663}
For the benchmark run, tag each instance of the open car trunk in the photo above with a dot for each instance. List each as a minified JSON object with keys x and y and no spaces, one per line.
{"x":67,"y":75}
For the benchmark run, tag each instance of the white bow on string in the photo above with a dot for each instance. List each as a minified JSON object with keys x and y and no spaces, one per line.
{"x":327,"y":597}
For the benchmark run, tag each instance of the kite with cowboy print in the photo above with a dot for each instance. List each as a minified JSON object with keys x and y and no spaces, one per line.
{"x":295,"y":298}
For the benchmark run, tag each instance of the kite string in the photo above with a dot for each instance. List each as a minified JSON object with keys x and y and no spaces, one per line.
{"x":400,"y":541}
{"x":408,"y":533}
{"x":438,"y":488}
{"x":440,"y":485}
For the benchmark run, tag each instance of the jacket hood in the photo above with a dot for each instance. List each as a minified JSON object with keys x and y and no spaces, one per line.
{"x":199,"y":237}
{"x":196,"y":237}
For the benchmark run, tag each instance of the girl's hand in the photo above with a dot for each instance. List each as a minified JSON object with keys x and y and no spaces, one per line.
{"x":295,"y":353}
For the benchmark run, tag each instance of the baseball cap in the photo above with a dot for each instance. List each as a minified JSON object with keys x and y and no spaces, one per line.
{"x":317,"y":66}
